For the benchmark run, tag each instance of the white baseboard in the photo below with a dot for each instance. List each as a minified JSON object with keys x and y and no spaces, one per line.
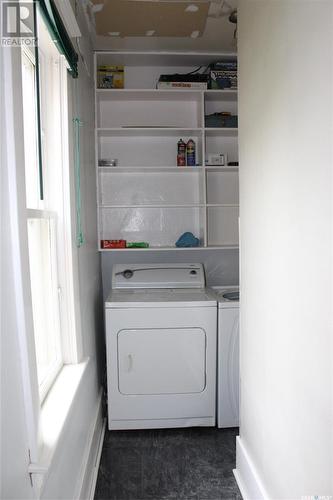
{"x":97,"y":461}
{"x":247,"y":478}
{"x":92,"y":455}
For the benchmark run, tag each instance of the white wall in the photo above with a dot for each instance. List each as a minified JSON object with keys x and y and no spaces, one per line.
{"x":65,"y":474}
{"x":286,"y":193}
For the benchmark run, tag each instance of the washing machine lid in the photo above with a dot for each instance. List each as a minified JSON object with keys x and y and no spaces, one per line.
{"x":225,"y":296}
{"x":151,"y":298}
{"x":131,"y":276}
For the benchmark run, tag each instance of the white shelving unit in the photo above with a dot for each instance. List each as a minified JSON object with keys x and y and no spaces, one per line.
{"x":146,"y":197}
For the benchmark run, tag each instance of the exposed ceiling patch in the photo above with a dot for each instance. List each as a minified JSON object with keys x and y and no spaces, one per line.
{"x":192,"y":8}
{"x":131,"y":18}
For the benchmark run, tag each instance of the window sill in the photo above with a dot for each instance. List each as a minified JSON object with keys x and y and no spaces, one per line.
{"x":54,"y":415}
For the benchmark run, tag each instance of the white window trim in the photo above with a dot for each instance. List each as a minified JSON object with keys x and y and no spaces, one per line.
{"x":39,"y":213}
{"x":53,"y":85}
{"x":66,"y":252}
{"x":68,"y":264}
{"x":55,"y":414}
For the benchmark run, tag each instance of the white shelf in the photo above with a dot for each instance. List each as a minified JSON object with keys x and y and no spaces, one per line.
{"x":156,"y":205}
{"x":151,"y":170}
{"x":222,"y":247}
{"x":154,"y":249}
{"x":221,"y":131}
{"x":150,"y":94}
{"x":222,"y":205}
{"x":147,"y":131}
{"x":222,"y":169}
{"x":162,"y":58}
{"x":166,"y":94}
{"x":145,"y":197}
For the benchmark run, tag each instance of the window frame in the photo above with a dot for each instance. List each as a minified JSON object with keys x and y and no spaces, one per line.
{"x":66,"y":254}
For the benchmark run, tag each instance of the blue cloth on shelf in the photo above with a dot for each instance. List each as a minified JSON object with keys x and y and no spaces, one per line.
{"x":187,"y":240}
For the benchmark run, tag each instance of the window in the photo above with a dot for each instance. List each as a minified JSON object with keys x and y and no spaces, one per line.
{"x":47,"y":195}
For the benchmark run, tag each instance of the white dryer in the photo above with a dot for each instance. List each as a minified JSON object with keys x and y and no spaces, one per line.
{"x":161,"y":328}
{"x":228,"y":356}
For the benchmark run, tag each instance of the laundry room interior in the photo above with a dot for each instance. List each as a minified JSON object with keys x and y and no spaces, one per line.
{"x":167,"y":242}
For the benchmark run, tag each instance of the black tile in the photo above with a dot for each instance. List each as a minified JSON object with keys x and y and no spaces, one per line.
{"x":162,"y":472}
{"x":119,"y":475}
{"x":132,"y":438}
{"x":222,"y":494}
{"x":206,"y":479}
{"x":168,"y":464}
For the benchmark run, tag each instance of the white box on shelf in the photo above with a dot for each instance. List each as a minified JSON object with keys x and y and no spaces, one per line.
{"x":182,"y":85}
{"x":217,"y":159}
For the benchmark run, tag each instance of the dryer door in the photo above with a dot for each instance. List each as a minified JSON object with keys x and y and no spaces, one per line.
{"x":161,"y":361}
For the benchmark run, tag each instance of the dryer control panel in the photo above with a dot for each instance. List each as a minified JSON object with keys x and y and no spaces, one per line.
{"x":125,"y":276}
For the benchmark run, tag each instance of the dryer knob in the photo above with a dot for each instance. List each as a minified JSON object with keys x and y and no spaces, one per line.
{"x":128,"y":273}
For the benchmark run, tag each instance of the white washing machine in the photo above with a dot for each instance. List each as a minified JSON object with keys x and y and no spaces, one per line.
{"x":161,"y":326}
{"x":228,"y":356}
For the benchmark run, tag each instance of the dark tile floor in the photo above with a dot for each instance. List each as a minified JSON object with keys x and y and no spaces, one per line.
{"x":168,"y":464}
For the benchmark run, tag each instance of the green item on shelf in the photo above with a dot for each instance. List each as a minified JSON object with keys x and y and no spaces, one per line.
{"x":137,"y":244}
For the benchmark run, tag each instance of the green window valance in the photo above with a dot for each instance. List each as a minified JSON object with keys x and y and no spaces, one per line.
{"x":59,"y":34}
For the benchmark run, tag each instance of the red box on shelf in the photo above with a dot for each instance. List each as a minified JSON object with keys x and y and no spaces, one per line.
{"x":113,"y":244}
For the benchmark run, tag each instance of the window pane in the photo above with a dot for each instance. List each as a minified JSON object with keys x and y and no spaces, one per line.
{"x":30,"y":132}
{"x":45,"y":300}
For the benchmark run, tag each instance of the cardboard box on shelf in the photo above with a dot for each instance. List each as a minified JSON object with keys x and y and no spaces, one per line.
{"x":105,"y":244}
{"x":110,"y":77}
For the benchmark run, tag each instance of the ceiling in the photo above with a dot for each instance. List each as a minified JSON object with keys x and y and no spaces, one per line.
{"x":167,"y":25}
